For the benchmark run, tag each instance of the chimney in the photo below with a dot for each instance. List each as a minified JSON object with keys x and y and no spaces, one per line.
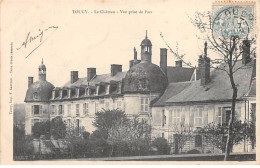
{"x":178,"y":63}
{"x":91,"y":72}
{"x":246,"y":52}
{"x":198,"y":70}
{"x":73,"y":76}
{"x":135,"y":54}
{"x":30,"y":81}
{"x":205,"y":71}
{"x":204,"y":67}
{"x":115,"y":69}
{"x":163,"y":60}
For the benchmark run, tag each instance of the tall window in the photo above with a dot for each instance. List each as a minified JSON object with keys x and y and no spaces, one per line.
{"x":53,"y":109}
{"x":170,"y":118}
{"x":219,"y":116}
{"x":61,"y":110}
{"x":198,"y":141}
{"x":36,"y":109}
{"x":85,"y":108}
{"x":223,"y":115}
{"x":69,"y":109}
{"x":77,"y":109}
{"x":77,"y":126}
{"x":163,"y":118}
{"x":144,"y":104}
{"x":107,"y":105}
{"x":119,"y":104}
{"x":176,"y":116}
{"x":68,"y":124}
{"x":198,"y":117}
{"x":96,"y":107}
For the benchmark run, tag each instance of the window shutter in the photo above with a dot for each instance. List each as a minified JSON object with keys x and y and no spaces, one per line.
{"x":223,"y":116}
{"x":163,"y":118}
{"x":183,"y":118}
{"x":217,"y":114}
{"x":40,"y":109}
{"x":62,"y":108}
{"x":205,"y":117}
{"x":170,"y":118}
{"x":192,"y":118}
{"x":32,"y":110}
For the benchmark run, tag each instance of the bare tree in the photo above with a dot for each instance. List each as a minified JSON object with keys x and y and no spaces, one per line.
{"x":183,"y":133}
{"x":229,"y":48}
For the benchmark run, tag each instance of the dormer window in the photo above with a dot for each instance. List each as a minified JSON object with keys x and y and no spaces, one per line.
{"x":36,"y":96}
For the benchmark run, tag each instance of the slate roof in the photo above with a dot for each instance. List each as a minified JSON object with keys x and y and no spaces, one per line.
{"x":218,"y":89}
{"x":171,"y":90}
{"x":179,"y":74}
{"x":97,"y":79}
{"x":145,"y":77}
{"x":252,"y":90}
{"x":44,"y":90}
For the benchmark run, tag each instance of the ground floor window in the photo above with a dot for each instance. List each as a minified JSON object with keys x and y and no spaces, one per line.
{"x":77,"y":126}
{"x":119,"y":106}
{"x":198,"y":141}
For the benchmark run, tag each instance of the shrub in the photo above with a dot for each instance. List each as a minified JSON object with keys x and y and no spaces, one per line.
{"x":162,"y":146}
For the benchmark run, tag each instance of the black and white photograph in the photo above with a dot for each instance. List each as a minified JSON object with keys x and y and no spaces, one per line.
{"x":131,"y":81}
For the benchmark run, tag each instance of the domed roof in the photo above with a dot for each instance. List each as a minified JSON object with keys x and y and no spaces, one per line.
{"x":146,"y":42}
{"x":145,"y":77}
{"x":42,"y":66}
{"x":39,"y":91}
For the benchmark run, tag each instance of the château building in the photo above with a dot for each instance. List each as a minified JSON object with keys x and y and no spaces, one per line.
{"x":163,"y":95}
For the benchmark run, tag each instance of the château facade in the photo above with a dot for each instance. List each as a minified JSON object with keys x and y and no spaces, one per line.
{"x":163,"y":95}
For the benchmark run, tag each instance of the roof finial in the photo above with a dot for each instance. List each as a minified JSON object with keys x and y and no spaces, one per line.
{"x":205,"y":49}
{"x":42,"y":60}
{"x":145,"y":33}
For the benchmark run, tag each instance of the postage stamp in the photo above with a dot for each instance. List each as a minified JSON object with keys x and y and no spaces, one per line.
{"x":234,"y":19}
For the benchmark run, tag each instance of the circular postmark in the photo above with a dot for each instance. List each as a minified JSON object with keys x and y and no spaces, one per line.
{"x":232,"y":21}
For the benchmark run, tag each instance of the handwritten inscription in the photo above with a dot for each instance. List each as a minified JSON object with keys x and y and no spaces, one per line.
{"x":38,"y":38}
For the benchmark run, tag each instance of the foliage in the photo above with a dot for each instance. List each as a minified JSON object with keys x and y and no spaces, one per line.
{"x":86,"y":135}
{"x":22,"y":145}
{"x":73,"y":130}
{"x":41,"y":128}
{"x":183,"y":133}
{"x":161,"y":145}
{"x":55,"y":128}
{"x":216,"y":134}
{"x":123,"y":135}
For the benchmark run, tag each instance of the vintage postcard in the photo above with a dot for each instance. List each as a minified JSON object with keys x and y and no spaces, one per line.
{"x":129,"y":82}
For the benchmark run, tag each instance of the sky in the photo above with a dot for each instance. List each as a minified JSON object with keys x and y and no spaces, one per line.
{"x":93,"y":40}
